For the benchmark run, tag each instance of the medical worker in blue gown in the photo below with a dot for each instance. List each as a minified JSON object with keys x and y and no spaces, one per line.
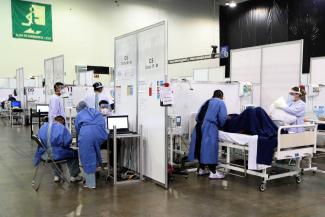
{"x":57,"y":138}
{"x":296,"y":107}
{"x":204,"y":141}
{"x":90,"y":127}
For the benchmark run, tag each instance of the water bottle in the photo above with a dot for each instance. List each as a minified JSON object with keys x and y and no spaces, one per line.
{"x":315,"y":110}
{"x":321,"y":111}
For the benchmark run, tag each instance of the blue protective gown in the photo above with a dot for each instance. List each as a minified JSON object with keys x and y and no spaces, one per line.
{"x":215,"y":116}
{"x":90,"y":127}
{"x":297,"y":109}
{"x":60,"y":142}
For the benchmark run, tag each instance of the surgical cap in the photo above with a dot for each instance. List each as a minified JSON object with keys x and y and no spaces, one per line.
{"x":81,"y":106}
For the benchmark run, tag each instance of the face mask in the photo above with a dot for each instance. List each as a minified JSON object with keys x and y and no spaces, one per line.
{"x":290,"y":99}
{"x":64,"y":92}
{"x":105,"y":111}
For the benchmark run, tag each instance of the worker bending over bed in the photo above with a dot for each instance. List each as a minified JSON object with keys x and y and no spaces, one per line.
{"x":204,"y":141}
{"x":296,"y":107}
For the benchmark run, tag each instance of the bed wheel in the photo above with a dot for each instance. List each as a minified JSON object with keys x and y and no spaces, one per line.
{"x":298,"y":179}
{"x":263,"y":187}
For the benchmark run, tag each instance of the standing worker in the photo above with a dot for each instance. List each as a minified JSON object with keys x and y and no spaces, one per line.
{"x":93,"y":99}
{"x":56,"y":106}
{"x":204,"y":141}
{"x":90,"y":127}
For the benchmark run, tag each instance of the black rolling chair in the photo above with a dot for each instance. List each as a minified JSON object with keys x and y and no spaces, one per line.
{"x":45,"y":163}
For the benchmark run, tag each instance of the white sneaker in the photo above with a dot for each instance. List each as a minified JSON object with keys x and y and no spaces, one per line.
{"x":86,"y":186}
{"x":76,"y":179}
{"x":56,"y":179}
{"x":216,"y":175}
{"x":202,"y":172}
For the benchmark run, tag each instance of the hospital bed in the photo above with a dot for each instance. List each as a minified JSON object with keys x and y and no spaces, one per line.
{"x":292,"y":146}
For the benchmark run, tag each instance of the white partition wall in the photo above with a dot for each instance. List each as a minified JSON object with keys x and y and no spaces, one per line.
{"x":8,"y":83}
{"x":276,"y":67}
{"x":35,"y":95}
{"x":20,"y":86}
{"x":85,"y":78}
{"x":245,"y":64}
{"x":4,"y":93}
{"x":317,"y":70}
{"x":54,"y":72}
{"x":152,"y":72}
{"x":215,"y":74}
{"x":281,"y":70}
{"x":317,"y":77}
{"x":140,"y":71}
{"x":49,"y":80}
{"x":126,"y":77}
{"x":188,"y":101}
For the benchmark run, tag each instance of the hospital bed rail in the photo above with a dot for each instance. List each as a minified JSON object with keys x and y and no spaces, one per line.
{"x":291,"y":146}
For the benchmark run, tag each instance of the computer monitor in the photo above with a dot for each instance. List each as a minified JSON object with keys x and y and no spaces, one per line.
{"x":43,"y":108}
{"x":15,"y":104}
{"x":121,"y":122}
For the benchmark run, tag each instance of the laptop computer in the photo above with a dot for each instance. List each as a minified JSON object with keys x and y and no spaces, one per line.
{"x":15,"y":104}
{"x":42,"y":108}
{"x":121,"y":122}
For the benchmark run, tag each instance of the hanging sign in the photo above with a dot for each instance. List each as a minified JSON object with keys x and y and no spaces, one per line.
{"x":31,"y":20}
{"x":166,"y":95}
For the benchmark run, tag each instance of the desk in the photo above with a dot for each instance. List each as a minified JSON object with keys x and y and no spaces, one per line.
{"x":116,"y":136}
{"x":40,"y":120}
{"x":17,"y":113}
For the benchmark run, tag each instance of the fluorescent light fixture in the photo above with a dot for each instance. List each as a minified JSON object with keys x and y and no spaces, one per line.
{"x":231,"y":4}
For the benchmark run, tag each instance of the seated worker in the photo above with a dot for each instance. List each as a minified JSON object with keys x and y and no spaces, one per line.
{"x":204,"y":140}
{"x":60,"y":139}
{"x":90,"y":127}
{"x":105,"y":108}
{"x":296,"y":107}
{"x":11,"y":98}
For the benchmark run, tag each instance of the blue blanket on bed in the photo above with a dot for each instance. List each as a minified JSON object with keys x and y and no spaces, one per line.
{"x":255,"y":121}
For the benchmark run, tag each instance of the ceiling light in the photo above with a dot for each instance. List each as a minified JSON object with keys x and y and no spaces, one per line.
{"x":231,"y":4}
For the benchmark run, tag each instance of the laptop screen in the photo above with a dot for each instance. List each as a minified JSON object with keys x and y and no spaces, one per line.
{"x":16,"y":104}
{"x":121,"y":122}
{"x":42,"y":108}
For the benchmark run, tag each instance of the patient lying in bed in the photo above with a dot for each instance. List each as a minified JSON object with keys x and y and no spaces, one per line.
{"x":255,"y":121}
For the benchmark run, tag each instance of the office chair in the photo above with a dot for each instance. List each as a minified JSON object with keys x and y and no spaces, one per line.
{"x":47,"y":162}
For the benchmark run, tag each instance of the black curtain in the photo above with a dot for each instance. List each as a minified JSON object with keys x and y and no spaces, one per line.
{"x":307,"y":21}
{"x":258,"y":22}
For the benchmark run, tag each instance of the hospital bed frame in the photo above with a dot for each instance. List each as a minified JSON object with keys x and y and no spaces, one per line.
{"x":292,"y":146}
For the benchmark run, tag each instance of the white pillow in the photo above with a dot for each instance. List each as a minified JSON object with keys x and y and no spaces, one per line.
{"x":280,"y":115}
{"x":280,"y":103}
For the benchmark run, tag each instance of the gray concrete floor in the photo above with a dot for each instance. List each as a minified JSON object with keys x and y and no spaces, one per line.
{"x":196,"y":196}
